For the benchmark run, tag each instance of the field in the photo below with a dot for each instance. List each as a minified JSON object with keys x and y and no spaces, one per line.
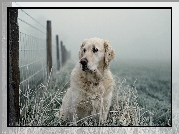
{"x":153,"y":84}
{"x":142,"y":97}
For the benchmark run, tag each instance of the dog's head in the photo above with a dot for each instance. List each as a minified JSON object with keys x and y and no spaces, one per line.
{"x":94,"y":53}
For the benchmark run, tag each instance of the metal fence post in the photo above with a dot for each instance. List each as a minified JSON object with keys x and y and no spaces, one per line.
{"x":49,"y":48}
{"x":58,"y":58}
{"x":14,"y":75}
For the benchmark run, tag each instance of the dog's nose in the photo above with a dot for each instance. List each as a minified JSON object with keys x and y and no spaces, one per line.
{"x":84,"y":61}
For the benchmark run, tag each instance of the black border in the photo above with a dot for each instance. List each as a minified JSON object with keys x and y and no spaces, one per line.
{"x":80,"y":8}
{"x":8,"y":66}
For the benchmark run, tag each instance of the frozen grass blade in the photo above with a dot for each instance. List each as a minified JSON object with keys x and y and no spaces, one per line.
{"x":41,"y":107}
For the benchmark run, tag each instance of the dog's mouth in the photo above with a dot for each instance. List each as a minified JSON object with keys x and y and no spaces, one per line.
{"x":88,"y":69}
{"x":85,"y":68}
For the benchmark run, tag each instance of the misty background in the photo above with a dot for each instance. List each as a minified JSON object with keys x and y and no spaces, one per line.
{"x":135,"y":34}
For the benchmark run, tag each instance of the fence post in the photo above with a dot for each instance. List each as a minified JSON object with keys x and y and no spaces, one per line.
{"x":58,"y":58}
{"x":62,"y":53}
{"x":49,"y":48}
{"x":65,"y":55}
{"x":14,"y":75}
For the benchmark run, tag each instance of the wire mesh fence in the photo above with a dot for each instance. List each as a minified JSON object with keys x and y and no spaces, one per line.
{"x":32,"y":63}
{"x":35,"y":48}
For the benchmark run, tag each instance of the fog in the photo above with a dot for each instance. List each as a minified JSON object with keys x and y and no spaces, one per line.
{"x":135,"y":34}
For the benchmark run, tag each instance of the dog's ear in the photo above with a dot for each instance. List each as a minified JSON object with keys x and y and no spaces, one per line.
{"x":80,"y":55}
{"x":109,"y":54}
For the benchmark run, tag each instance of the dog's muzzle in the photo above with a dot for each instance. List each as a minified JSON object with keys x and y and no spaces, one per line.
{"x":84,"y":63}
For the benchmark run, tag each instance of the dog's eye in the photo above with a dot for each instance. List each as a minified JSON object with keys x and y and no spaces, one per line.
{"x":95,"y":50}
{"x":84,"y":50}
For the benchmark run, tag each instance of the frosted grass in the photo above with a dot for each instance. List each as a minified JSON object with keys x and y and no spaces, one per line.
{"x":42,"y":108}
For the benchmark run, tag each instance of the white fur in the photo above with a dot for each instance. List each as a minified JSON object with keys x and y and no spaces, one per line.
{"x":90,"y":91}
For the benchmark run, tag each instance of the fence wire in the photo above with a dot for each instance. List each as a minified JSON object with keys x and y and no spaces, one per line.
{"x":32,"y":56}
{"x":32,"y":64}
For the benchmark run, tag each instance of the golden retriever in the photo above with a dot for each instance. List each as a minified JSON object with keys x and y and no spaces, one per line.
{"x":91,"y":82}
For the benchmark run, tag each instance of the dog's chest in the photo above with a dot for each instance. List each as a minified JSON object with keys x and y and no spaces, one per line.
{"x":94,"y":87}
{"x":89,"y":101}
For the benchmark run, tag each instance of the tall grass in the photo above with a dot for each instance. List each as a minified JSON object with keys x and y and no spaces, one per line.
{"x":41,"y":107}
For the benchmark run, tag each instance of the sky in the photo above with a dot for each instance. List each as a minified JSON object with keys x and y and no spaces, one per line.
{"x":135,"y":34}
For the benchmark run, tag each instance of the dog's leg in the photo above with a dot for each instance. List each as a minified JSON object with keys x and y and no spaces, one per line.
{"x":105,"y":105}
{"x":66,"y":107}
{"x":94,"y":108}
